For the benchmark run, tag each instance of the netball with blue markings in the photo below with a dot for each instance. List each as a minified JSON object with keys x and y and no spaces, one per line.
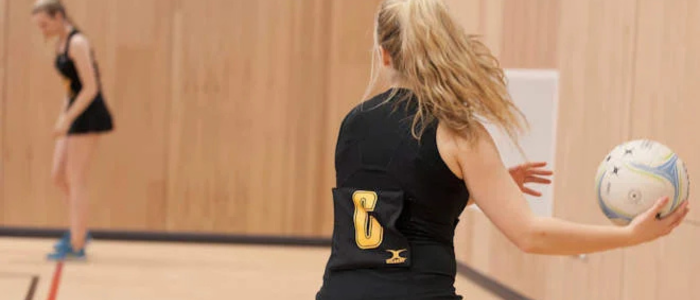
{"x":635,"y":174}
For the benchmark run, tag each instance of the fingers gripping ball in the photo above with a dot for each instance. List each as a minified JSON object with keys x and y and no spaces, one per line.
{"x":634,"y":175}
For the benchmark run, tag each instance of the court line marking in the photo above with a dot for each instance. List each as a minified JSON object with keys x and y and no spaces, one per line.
{"x":55,"y":281}
{"x":32,"y":288}
{"x":33,"y":282}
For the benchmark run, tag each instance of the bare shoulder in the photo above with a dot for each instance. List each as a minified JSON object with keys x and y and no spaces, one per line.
{"x":459,"y":149}
{"x":79,"y":44}
{"x":447,"y":145}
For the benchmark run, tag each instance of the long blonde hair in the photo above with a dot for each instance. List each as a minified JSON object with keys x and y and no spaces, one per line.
{"x":453,"y":76}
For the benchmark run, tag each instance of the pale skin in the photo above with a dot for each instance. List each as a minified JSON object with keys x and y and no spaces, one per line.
{"x":499,"y":193}
{"x":72,"y":153}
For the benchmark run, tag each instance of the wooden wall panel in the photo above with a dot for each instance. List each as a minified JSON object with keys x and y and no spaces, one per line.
{"x":468,"y":14}
{"x":309,"y":82}
{"x":530,"y":39}
{"x":596,"y":92}
{"x":216,"y":77}
{"x":522,"y":34}
{"x":33,"y":97}
{"x":484,"y":248}
{"x":664,"y":269}
{"x":244,"y":139}
{"x":349,"y":66}
{"x":666,"y":92}
{"x":483,"y":18}
{"x":3,"y":67}
{"x":596,"y":49}
{"x":128,"y":185}
{"x":493,"y":27}
{"x":679,"y":265}
{"x":664,"y":109}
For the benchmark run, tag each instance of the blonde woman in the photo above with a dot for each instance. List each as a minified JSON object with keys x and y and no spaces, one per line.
{"x":409,"y":159}
{"x":84,"y":117}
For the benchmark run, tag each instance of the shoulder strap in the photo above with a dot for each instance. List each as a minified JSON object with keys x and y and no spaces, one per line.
{"x":70,"y":35}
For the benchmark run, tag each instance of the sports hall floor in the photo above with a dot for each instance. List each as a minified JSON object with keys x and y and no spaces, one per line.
{"x":172,"y":271}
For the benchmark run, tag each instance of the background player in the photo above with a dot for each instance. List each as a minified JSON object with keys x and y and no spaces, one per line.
{"x":84,"y":117}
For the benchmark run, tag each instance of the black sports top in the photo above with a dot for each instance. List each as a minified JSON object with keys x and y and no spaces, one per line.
{"x":396,"y":206}
{"x":67,"y":68}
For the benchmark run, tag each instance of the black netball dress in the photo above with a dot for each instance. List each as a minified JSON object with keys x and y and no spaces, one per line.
{"x":96,"y":118}
{"x":396,"y":206}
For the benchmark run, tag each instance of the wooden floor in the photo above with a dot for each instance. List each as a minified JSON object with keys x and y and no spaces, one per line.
{"x":151,"y":271}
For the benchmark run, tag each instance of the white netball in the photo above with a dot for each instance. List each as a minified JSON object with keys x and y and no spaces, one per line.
{"x":635,"y":174}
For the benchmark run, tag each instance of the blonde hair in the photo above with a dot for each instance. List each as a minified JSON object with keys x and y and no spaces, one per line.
{"x":453,"y":76}
{"x":52,"y":8}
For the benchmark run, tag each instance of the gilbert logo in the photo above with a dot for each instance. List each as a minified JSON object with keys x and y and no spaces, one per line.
{"x":396,"y":257}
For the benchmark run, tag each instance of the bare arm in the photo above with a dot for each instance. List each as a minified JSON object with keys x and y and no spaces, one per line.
{"x":495,"y":192}
{"x":65,"y":105}
{"x":80,"y":53}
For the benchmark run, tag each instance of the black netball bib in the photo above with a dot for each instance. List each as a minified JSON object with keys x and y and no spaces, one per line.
{"x":365,"y":233}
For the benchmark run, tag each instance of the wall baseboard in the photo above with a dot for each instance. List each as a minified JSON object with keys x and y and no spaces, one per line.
{"x":175,"y":237}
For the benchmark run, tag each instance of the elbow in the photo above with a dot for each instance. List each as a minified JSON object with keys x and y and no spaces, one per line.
{"x":529,"y":247}
{"x":90,"y":92}
{"x":531,"y":240}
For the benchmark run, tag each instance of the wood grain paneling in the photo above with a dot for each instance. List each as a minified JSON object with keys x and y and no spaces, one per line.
{"x":129,"y":174}
{"x":216,"y":163}
{"x":666,"y":92}
{"x":664,"y":269}
{"x":481,"y":17}
{"x":244,"y":142}
{"x":494,"y":28}
{"x":530,"y":37}
{"x":33,"y":97}
{"x":522,"y":34}
{"x":3,"y":67}
{"x":349,"y":66}
{"x":664,"y":109}
{"x":483,"y":247}
{"x":642,"y":285}
{"x":596,"y":49}
{"x":679,"y":265}
{"x":467,"y":13}
{"x":596,"y":92}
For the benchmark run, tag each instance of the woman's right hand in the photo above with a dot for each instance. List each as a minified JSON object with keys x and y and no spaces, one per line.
{"x":647,"y":226}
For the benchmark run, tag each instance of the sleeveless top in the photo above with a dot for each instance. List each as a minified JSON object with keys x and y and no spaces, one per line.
{"x":396,"y":206}
{"x":67,"y":68}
